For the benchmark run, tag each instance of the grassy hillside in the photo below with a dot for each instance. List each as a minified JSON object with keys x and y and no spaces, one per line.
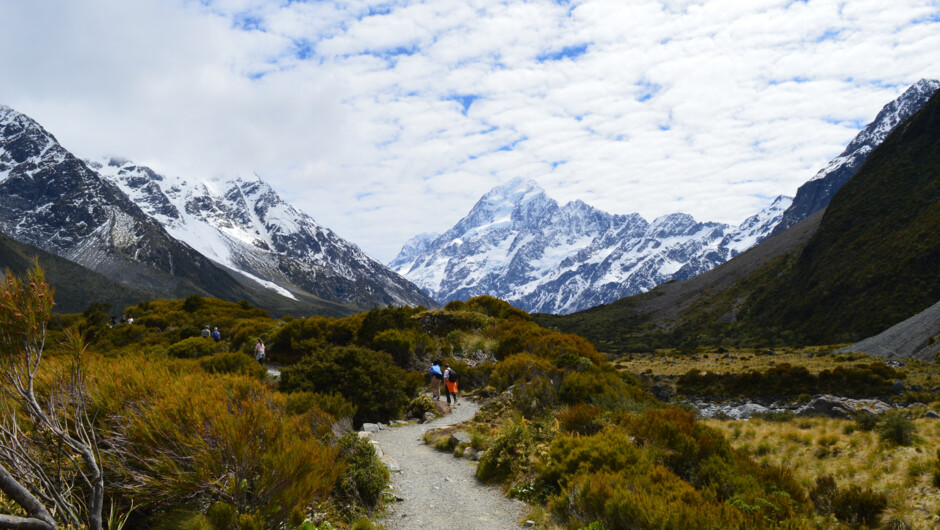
{"x":866,"y":263}
{"x":76,"y":287}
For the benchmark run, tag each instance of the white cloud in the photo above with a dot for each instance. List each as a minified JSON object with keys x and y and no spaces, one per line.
{"x":353,"y":110}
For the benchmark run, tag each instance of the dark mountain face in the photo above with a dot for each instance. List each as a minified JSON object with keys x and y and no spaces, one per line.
{"x":815,"y":194}
{"x":867,"y":262}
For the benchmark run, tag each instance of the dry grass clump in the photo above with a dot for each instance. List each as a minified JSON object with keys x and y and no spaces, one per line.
{"x":908,"y":476}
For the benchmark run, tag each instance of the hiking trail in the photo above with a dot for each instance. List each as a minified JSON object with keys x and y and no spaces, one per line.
{"x":437,"y":489}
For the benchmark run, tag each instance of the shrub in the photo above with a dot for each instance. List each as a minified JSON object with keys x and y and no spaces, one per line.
{"x":233,"y":363}
{"x":685,"y":442}
{"x":897,"y":429}
{"x":365,"y":377}
{"x":521,"y":368}
{"x":608,"y":451}
{"x":602,"y":388}
{"x":441,"y":323}
{"x":365,"y":476}
{"x":192,"y":439}
{"x":867,"y":421}
{"x":580,"y":418}
{"x":854,"y":506}
{"x":508,"y":455}
{"x":495,"y":308}
{"x":534,"y":398}
{"x":420,"y":405}
{"x":400,"y":344}
{"x":334,"y":404}
{"x":194,"y":347}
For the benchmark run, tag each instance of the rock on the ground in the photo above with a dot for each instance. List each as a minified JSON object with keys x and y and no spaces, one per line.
{"x":459,"y":437}
{"x":443,"y":408}
{"x":391,"y":464}
{"x":365,"y":435}
{"x":841,"y":407}
{"x":429,"y":416}
{"x":932,"y":414}
{"x":371,"y":427}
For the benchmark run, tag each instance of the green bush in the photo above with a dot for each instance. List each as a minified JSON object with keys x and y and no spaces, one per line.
{"x":897,"y":429}
{"x":607,"y":451}
{"x":365,"y":377}
{"x":534,"y":398}
{"x":521,"y":368}
{"x":223,"y":516}
{"x":867,"y":421}
{"x":400,"y":344}
{"x":233,"y":363}
{"x":854,"y":506}
{"x":605,"y":389}
{"x":334,"y":404}
{"x":508,"y":455}
{"x":420,"y":405}
{"x":365,"y":477}
{"x":195,"y":347}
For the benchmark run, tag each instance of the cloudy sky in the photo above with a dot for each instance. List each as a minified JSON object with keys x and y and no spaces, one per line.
{"x":386,"y":119}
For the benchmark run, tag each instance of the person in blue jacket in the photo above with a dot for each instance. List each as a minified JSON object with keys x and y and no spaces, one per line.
{"x":436,"y":377}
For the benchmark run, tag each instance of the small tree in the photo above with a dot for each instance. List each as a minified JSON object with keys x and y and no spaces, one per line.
{"x":49,"y":457}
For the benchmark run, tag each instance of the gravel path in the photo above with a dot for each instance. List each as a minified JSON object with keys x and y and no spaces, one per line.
{"x":439,"y":490}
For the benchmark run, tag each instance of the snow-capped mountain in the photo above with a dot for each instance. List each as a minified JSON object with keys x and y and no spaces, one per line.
{"x":244,"y":225}
{"x":52,"y":200}
{"x":233,"y":240}
{"x":520,"y":245}
{"x":816,"y":193}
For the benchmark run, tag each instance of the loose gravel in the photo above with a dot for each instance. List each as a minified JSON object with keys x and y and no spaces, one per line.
{"x":437,"y":489}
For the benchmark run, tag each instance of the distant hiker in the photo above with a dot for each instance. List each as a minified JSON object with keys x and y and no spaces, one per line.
{"x":123,"y":319}
{"x":216,"y":336}
{"x":450,"y":383}
{"x":205,"y":332}
{"x":113,"y":321}
{"x":436,"y":375}
{"x":259,"y":351}
{"x":130,"y":320}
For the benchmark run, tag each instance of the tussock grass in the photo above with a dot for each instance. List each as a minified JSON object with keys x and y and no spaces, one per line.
{"x":823,"y":446}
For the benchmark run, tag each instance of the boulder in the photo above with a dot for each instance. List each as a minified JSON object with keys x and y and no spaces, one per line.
{"x":932,"y":414}
{"x":365,"y":435}
{"x":371,"y":427}
{"x":443,"y":408}
{"x":662,"y":392}
{"x":459,"y":437}
{"x":898,"y":387}
{"x":378,"y":449}
{"x":469,"y":453}
{"x":429,"y":416}
{"x":841,"y":407}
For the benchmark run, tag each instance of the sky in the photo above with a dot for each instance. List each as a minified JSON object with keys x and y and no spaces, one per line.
{"x":382,"y":120}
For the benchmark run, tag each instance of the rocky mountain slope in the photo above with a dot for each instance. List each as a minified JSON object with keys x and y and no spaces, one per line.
{"x":815,"y":194}
{"x":75,"y":286}
{"x":865,"y":263}
{"x":243,"y":224}
{"x":251,"y":245}
{"x":520,"y":245}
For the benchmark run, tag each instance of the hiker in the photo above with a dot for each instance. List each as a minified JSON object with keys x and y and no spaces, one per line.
{"x":259,"y":351}
{"x":216,"y":336}
{"x":450,"y":383}
{"x":436,"y":375}
{"x":205,"y":332}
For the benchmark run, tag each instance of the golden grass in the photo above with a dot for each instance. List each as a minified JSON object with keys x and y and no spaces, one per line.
{"x":815,"y":359}
{"x":819,"y":446}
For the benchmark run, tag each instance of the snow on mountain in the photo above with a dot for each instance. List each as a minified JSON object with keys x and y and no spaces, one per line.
{"x":520,"y":245}
{"x":816,"y":193}
{"x":244,"y":225}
